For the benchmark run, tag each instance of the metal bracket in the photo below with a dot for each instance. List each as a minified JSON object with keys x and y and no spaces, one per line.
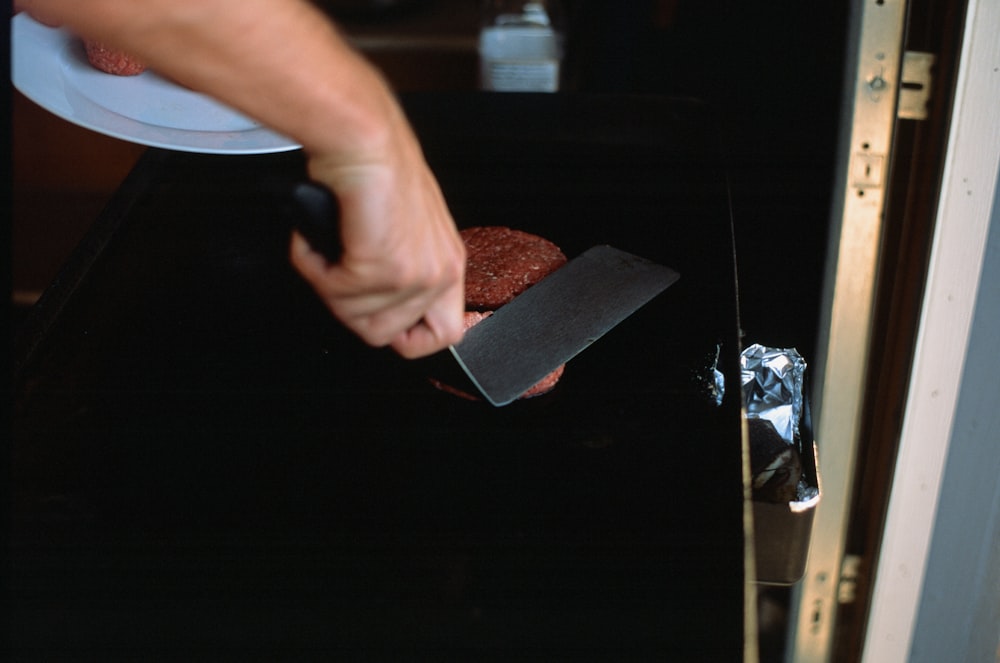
{"x":915,"y":85}
{"x":875,"y":54}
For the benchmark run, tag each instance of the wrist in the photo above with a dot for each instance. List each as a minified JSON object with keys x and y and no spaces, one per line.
{"x":372,"y":143}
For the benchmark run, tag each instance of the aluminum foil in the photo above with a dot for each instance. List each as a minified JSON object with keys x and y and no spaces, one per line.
{"x":772,"y":387}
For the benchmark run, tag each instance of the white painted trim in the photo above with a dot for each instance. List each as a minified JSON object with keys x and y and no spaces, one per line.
{"x":969,"y":183}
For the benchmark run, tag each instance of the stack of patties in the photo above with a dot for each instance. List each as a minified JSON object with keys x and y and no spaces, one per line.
{"x":501,"y":264}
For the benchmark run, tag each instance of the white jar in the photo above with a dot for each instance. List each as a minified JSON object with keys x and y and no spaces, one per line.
{"x":520,"y":47}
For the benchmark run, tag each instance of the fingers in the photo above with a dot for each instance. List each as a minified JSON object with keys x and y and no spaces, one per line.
{"x":416,"y":320}
{"x":438,"y":327}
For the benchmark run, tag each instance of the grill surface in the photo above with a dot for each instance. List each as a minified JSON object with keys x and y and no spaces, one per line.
{"x":203,"y":458}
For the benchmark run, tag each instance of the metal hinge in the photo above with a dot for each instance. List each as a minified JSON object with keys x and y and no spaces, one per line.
{"x":847,"y":590}
{"x":915,"y":85}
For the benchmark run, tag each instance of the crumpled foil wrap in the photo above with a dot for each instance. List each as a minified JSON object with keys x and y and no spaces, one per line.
{"x":772,"y":387}
{"x":772,"y":383}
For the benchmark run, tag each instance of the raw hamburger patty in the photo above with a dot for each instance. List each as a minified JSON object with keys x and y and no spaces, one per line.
{"x":502,"y":263}
{"x":472,"y":318}
{"x":111,"y":60}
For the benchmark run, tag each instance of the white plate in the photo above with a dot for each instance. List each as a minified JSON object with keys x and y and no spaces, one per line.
{"x":49,"y":66}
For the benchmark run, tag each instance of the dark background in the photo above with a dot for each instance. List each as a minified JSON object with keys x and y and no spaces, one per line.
{"x":774,"y":71}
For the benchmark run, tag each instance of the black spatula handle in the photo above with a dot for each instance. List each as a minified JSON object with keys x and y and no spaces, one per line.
{"x":318,"y":218}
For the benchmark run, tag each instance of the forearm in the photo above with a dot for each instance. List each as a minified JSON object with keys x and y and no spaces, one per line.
{"x":279,"y":61}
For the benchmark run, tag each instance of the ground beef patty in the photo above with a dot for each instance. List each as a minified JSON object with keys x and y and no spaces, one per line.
{"x":472,"y":318}
{"x":502,"y":263}
{"x":112,"y":60}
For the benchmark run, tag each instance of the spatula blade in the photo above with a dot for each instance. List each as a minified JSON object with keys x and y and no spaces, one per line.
{"x":555,"y":319}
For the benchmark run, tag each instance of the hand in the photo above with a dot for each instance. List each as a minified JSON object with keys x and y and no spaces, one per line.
{"x":400,"y":278}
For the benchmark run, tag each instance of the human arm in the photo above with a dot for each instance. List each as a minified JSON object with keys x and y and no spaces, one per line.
{"x":399,"y":281}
